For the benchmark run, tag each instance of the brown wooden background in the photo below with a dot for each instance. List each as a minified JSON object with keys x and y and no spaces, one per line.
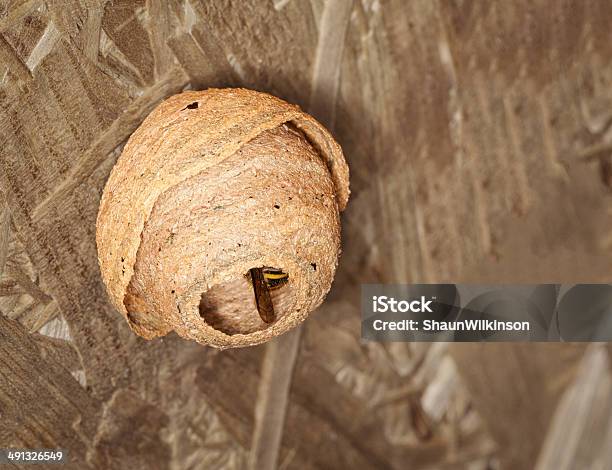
{"x":478,"y":137}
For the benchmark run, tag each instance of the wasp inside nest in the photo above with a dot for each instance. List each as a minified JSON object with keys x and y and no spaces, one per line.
{"x":264,"y":280}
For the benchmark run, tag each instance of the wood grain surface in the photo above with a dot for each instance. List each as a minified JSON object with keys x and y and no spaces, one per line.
{"x":478,"y":136}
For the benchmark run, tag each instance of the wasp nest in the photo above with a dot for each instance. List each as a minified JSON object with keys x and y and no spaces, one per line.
{"x":220,"y":220}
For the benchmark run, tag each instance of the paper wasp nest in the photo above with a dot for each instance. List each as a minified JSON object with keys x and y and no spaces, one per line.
{"x":211,"y":187}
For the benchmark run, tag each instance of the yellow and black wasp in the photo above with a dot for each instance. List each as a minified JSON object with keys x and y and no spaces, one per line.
{"x":264,"y":280}
{"x":275,"y":278}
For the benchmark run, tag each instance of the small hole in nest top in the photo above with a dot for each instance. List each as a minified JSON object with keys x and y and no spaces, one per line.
{"x":193,"y":105}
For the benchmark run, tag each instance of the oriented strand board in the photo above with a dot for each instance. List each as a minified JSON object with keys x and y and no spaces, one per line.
{"x":478,"y":138}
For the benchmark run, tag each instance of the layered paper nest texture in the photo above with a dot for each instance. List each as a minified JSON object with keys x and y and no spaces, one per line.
{"x":212,"y":184}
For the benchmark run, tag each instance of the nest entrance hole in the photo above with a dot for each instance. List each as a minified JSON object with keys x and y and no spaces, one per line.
{"x":231,"y":306}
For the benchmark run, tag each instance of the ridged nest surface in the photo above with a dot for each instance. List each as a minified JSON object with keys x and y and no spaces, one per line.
{"x":213,"y":184}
